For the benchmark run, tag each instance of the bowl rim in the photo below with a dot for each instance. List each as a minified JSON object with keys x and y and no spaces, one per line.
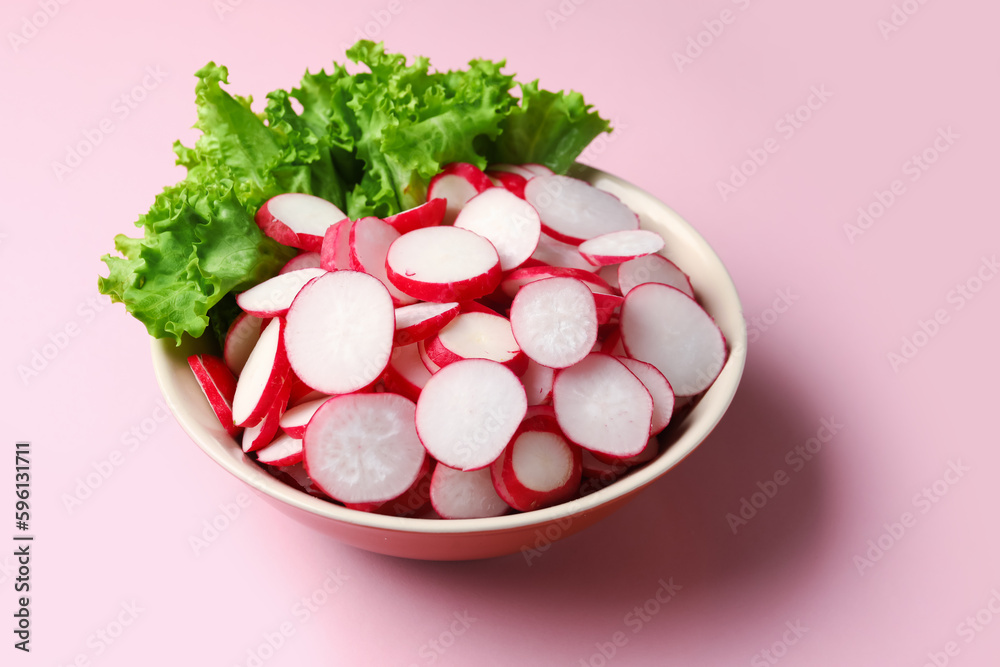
{"x":166,"y":358}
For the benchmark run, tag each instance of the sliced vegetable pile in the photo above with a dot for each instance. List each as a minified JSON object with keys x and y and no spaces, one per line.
{"x":510,"y":343}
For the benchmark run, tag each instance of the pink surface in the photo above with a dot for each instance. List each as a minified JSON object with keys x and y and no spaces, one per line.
{"x":804,"y":577}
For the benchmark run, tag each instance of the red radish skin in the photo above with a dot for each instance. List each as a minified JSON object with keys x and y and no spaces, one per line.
{"x":283,"y":451}
{"x":539,"y":468}
{"x":263,"y":376}
{"x":607,"y":306}
{"x":335,"y":252}
{"x":618,"y":247}
{"x":477,"y":336}
{"x":649,"y":453}
{"x":556,"y":253}
{"x":296,"y":418}
{"x":443,"y":264}
{"x":513,"y":183}
{"x":613,"y":343}
{"x":555,"y":321}
{"x":263,"y":432}
{"x":370,"y":239}
{"x":537,"y":381}
{"x":363,"y":448}
{"x":659,"y":390}
{"x":298,"y":220}
{"x":339,"y":333}
{"x":304,"y":260}
{"x":419,"y":321}
{"x":425,"y":359}
{"x":457,"y":494}
{"x":506,"y":221}
{"x":240,"y":339}
{"x":219,"y":386}
{"x":573,"y":211}
{"x":668,"y":329}
{"x":601,"y":406}
{"x":457,"y":183}
{"x":652,"y":269}
{"x":430,"y":214}
{"x":406,"y":374}
{"x":518,"y":278}
{"x":468,"y":411}
{"x":272,"y":297}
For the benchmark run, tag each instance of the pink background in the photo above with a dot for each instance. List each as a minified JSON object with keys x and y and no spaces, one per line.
{"x":795,"y":564}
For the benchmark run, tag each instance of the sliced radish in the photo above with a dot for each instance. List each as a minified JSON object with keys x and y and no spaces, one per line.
{"x":556,"y":253}
{"x":300,"y":392}
{"x":538,"y":169}
{"x":609,"y":274}
{"x":240,"y":339}
{"x":340,"y":330}
{"x":425,"y":359}
{"x":457,"y":494}
{"x":520,"y":170}
{"x":425,"y":215}
{"x":414,"y":500}
{"x":518,"y":278}
{"x":262,"y":433}
{"x":296,"y":418}
{"x":613,"y":343}
{"x":652,"y":269}
{"x":272,"y":297}
{"x":573,"y":211}
{"x":539,"y":468}
{"x":513,"y":183}
{"x":618,"y":247}
{"x":537,"y":381}
{"x":665,"y":327}
{"x":602,"y":406}
{"x":284,"y":451}
{"x":468,"y":412}
{"x":219,"y":386}
{"x":479,"y":307}
{"x":476,"y":336}
{"x":335,"y":253}
{"x":555,"y":321}
{"x":648,"y":453}
{"x":418,"y":321}
{"x":298,"y":220}
{"x":304,"y":260}
{"x":605,"y":470}
{"x":363,"y":448}
{"x":406,"y":374}
{"x":607,"y":306}
{"x":263,"y":375}
{"x":659,"y":390}
{"x":506,"y":221}
{"x":370,"y":239}
{"x":457,"y":183}
{"x":443,"y":264}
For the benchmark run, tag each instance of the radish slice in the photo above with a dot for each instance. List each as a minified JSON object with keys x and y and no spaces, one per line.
{"x":520,"y":170}
{"x":506,"y":221}
{"x":242,"y":336}
{"x":476,"y":336}
{"x":538,"y":169}
{"x":457,"y":494}
{"x":272,"y":297}
{"x":425,"y":215}
{"x":539,"y":468}
{"x":518,"y":278}
{"x":607,"y":306}
{"x":602,"y":406}
{"x":555,"y":321}
{"x":416,"y":322}
{"x":573,"y":211}
{"x":428,"y":363}
{"x":305,"y":260}
{"x":468,"y":412}
{"x":218,"y":385}
{"x":284,"y":451}
{"x":263,"y":376}
{"x":665,"y":327}
{"x":443,"y":264}
{"x":296,"y":418}
{"x":618,"y":247}
{"x":335,"y":253}
{"x":607,"y":471}
{"x":370,"y":239}
{"x":652,"y":269}
{"x":298,"y":220}
{"x":557,"y":253}
{"x":649,"y":453}
{"x":457,"y":183}
{"x":363,"y":448}
{"x":613,"y":343}
{"x":609,"y":274}
{"x":262,"y":433}
{"x":513,"y":183}
{"x":406,"y":374}
{"x":659,"y":390}
{"x":414,"y":500}
{"x":339,"y":333}
{"x":537,"y":381}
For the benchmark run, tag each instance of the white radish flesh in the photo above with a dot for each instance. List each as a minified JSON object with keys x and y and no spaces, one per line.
{"x":537,"y":381}
{"x":659,"y":390}
{"x":520,"y":170}
{"x":263,"y":375}
{"x":601,"y":406}
{"x":418,"y":321}
{"x":425,"y":215}
{"x":272,"y":297}
{"x":406,"y":374}
{"x":305,"y":260}
{"x":668,"y":329}
{"x":506,"y":221}
{"x":618,"y":247}
{"x":457,"y":183}
{"x":468,"y":411}
{"x":652,"y":269}
{"x":242,"y":336}
{"x":573,"y":211}
{"x":476,"y":336}
{"x":370,"y":239}
{"x":340,"y":331}
{"x":555,"y":321}
{"x":556,"y":253}
{"x":219,"y":386}
{"x":457,"y":494}
{"x":284,"y":451}
{"x":443,"y":264}
{"x":518,"y":278}
{"x":298,"y":220}
{"x":537,"y":169}
{"x":296,"y":418}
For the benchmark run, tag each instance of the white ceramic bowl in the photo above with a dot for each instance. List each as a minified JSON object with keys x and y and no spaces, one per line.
{"x":435,"y":539}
